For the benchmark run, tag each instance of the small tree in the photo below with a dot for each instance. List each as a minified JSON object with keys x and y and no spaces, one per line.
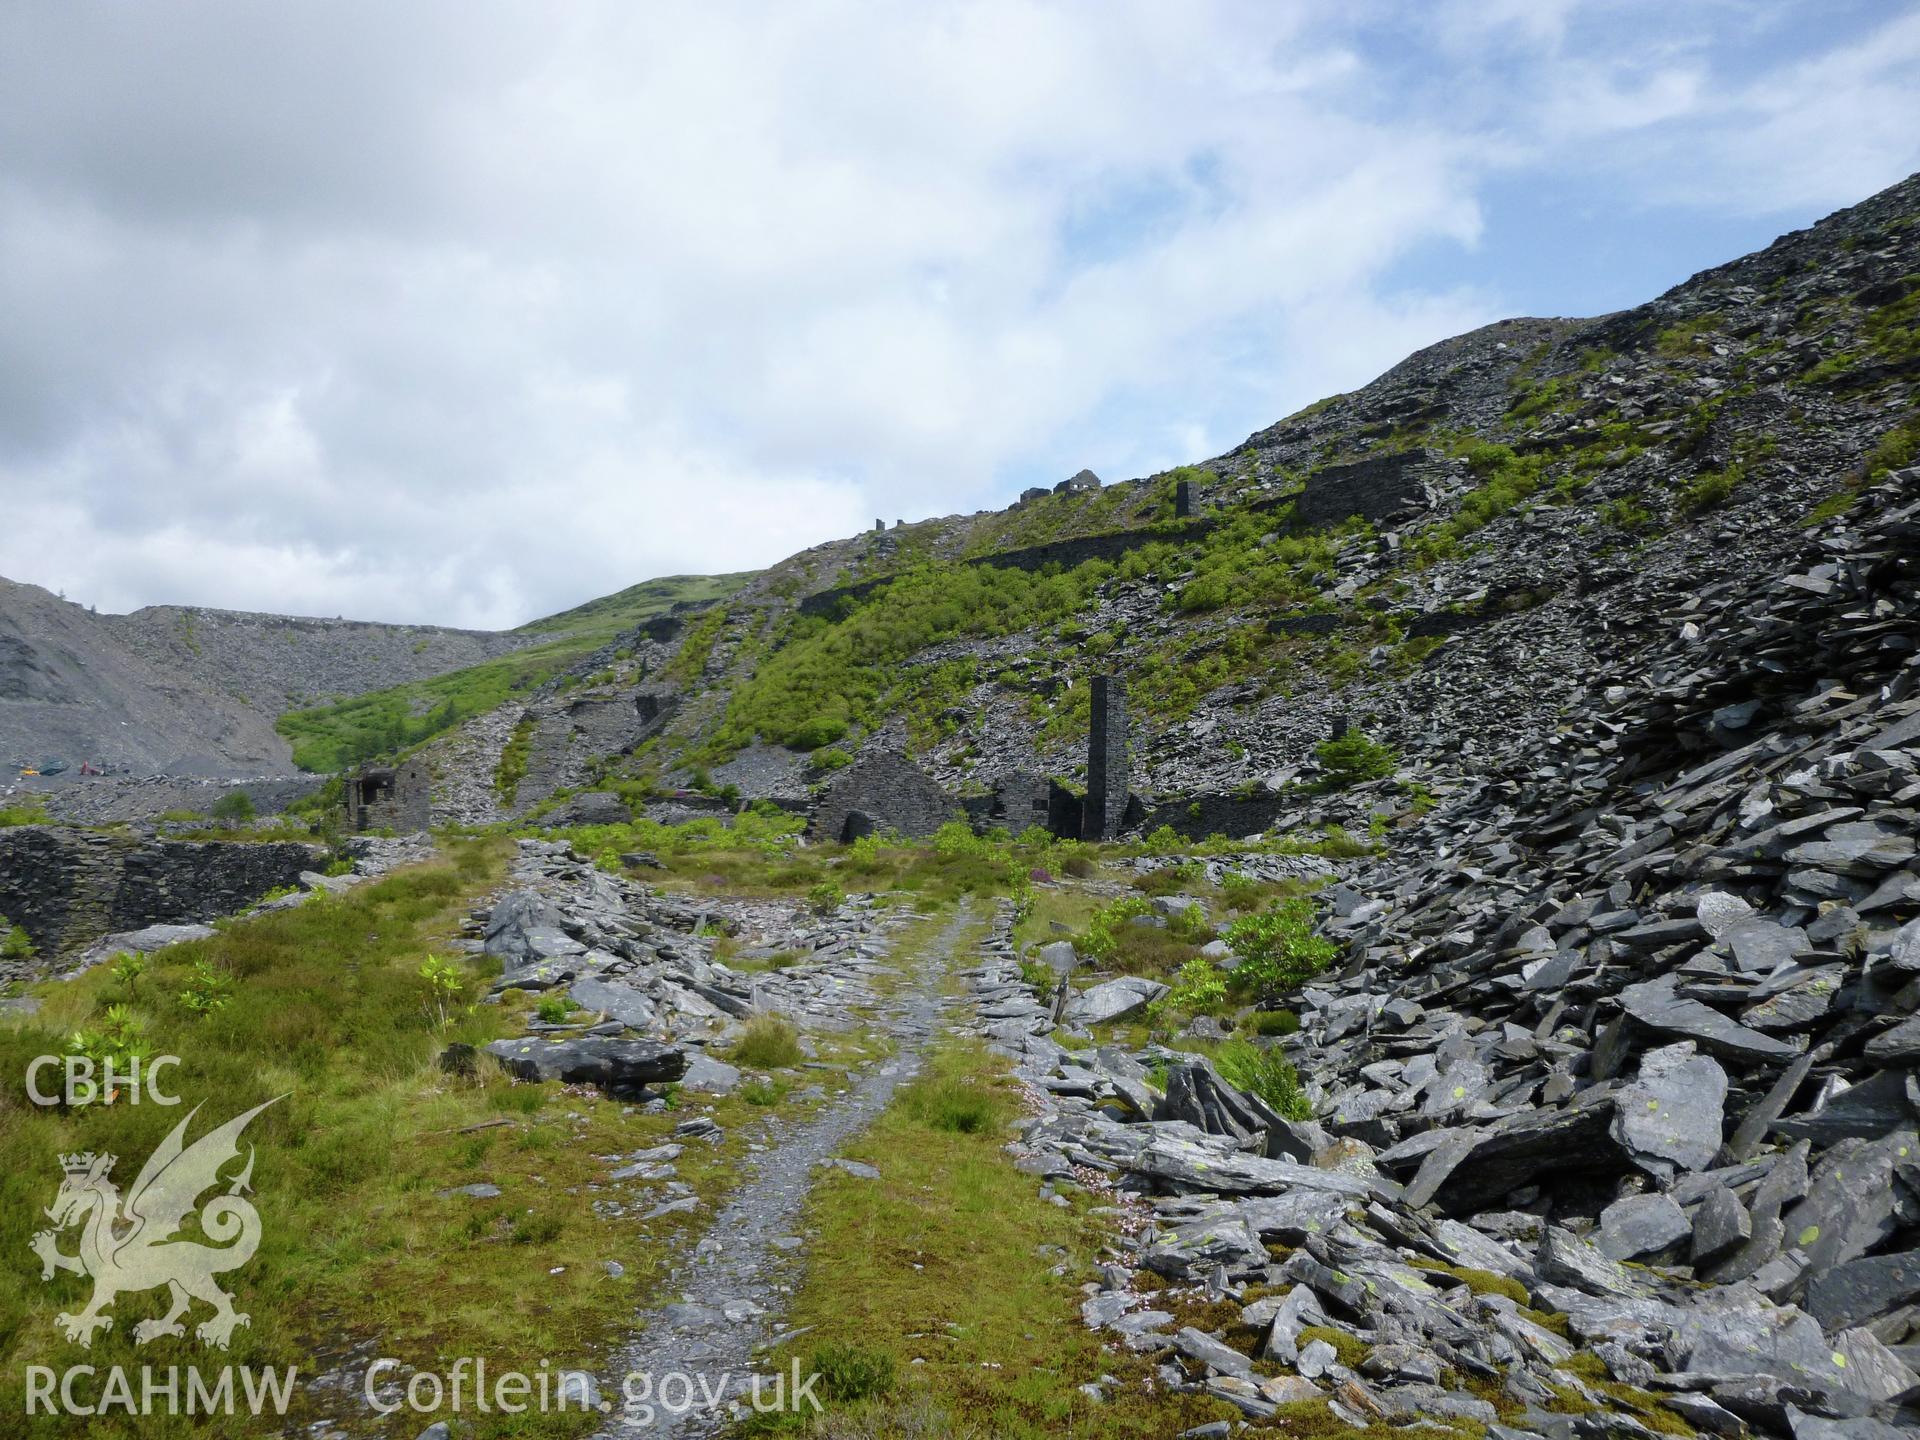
{"x":117,"y":1041}
{"x":207,"y":989}
{"x":445,"y":986}
{"x":1198,"y":988}
{"x":1355,"y":757}
{"x":128,"y":967}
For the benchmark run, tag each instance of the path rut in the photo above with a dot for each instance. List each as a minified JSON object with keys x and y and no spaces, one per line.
{"x":703,"y":1345}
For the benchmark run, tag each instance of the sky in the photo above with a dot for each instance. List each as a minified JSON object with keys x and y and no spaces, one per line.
{"x":464,"y":312}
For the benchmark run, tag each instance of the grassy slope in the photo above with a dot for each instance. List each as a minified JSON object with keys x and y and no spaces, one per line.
{"x":332,"y":737}
{"x":359,"y":1243}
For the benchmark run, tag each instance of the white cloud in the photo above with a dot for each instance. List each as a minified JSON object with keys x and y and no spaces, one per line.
{"x":467,"y":312}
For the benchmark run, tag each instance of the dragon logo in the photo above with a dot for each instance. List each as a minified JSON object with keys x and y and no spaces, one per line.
{"x":131,"y":1245}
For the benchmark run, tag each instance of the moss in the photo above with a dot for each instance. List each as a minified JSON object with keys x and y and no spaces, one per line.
{"x":1591,"y":1369}
{"x":1480,"y":1282}
{"x":1346,"y":1348}
{"x":1551,"y":1320}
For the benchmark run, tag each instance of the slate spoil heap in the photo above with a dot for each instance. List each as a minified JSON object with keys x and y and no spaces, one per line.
{"x":1616,"y":1091}
{"x":652,"y":1003}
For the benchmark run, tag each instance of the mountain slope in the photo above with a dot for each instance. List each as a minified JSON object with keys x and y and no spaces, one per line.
{"x":73,"y":689}
{"x":188,"y":690}
{"x":350,"y":730}
{"x":1454,"y":556}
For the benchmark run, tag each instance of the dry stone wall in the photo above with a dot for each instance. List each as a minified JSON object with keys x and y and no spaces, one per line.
{"x":69,"y":887}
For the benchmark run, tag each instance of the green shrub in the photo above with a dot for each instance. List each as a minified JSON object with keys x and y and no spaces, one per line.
{"x":831,"y":758}
{"x":553,"y":1009}
{"x":1711,"y":487}
{"x":1625,"y":513}
{"x":512,"y":768}
{"x":1278,"y":948}
{"x":233,"y":808}
{"x":1242,"y":892}
{"x":118,"y":1040}
{"x":1168,"y":879}
{"x":1198,"y":989}
{"x":1353,"y":758}
{"x":770,"y":1043}
{"x":15,"y":943}
{"x":850,"y":1373}
{"x":1039,"y":975}
{"x":1191,"y":925}
{"x":1164,"y":841}
{"x":1898,"y":448}
{"x":1264,"y":1072}
{"x":956,"y":838}
{"x":825,"y":898}
{"x":821,"y":730}
{"x":1100,"y":940}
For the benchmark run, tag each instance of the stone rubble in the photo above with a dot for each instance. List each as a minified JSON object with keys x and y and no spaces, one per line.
{"x":653,"y":1005}
{"x":1628,"y":1024}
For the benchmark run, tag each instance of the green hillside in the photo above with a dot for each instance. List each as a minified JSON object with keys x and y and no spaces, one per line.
{"x":349,"y":731}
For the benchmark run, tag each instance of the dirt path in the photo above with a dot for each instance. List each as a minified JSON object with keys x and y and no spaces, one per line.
{"x":700,"y":1349}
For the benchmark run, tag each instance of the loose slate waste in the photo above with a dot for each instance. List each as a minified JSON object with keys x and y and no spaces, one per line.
{"x":1694,"y":1138}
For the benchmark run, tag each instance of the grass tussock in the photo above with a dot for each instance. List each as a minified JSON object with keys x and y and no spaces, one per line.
{"x":770,"y":1043}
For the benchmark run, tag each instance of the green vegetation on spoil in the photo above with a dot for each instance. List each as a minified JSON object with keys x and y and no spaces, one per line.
{"x":512,"y":767}
{"x":1279,"y":949}
{"x":1353,"y":758}
{"x":831,"y":674}
{"x":15,"y":943}
{"x":340,"y":1007}
{"x":333,"y":737}
{"x":1897,"y":449}
{"x":690,"y":661}
{"x":624,"y":609}
{"x":235,"y":807}
{"x":927,"y":1311}
{"x":1507,"y":480}
{"x":1251,"y":558}
{"x":26,"y":810}
{"x":1052,"y":517}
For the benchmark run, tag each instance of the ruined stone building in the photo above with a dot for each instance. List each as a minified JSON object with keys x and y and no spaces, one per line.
{"x":395,"y":798}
